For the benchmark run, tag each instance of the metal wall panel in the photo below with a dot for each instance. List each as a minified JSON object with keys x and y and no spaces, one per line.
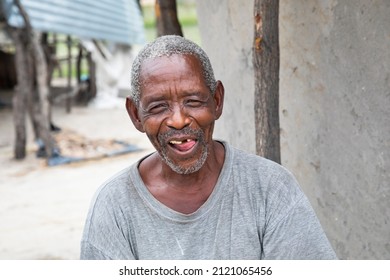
{"x":112,"y":20}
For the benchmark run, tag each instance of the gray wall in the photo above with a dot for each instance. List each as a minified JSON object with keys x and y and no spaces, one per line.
{"x":334,"y":107}
{"x":227,"y":39}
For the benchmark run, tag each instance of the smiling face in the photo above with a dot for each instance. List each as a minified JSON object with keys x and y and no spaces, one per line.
{"x":177,"y":111}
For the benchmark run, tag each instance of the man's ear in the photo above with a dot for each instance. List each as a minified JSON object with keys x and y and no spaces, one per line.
{"x":219,"y":95}
{"x":132,"y":110}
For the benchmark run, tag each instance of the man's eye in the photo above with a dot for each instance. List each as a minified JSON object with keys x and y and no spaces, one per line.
{"x":158,"y":108}
{"x":194,"y":103}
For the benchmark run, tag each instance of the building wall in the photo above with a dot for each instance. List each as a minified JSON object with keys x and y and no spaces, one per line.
{"x":227,"y":39}
{"x":334,"y":107}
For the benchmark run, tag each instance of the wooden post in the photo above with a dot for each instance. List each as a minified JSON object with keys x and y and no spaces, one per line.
{"x":266,"y":69}
{"x":20,"y":96}
{"x":69,"y":98}
{"x":166,"y":18}
{"x":58,"y":64}
{"x":92,"y":77}
{"x":41,"y":108}
{"x":42,"y":117}
{"x":78,"y":63}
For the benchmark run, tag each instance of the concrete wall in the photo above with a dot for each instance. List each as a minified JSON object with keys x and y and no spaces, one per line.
{"x":227,"y":39}
{"x":334,"y":107}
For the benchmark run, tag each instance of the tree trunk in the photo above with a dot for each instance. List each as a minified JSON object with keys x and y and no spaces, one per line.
{"x":41,"y":109}
{"x":49,"y":49}
{"x":42,"y":117}
{"x":20,"y":96}
{"x":166,"y":18}
{"x":266,"y":68}
{"x":78,"y":63}
{"x":92,"y":89}
{"x":32,"y":95}
{"x":69,"y":78}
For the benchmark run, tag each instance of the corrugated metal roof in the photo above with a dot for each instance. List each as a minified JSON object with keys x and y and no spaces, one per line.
{"x":112,"y":20}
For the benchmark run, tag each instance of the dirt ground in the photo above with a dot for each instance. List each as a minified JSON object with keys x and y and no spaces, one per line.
{"x":43,"y":208}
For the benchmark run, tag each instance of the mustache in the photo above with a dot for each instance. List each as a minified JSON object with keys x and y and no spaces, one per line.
{"x":187,"y":131}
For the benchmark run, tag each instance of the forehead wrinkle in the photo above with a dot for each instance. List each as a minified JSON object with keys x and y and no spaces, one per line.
{"x":182,"y":77}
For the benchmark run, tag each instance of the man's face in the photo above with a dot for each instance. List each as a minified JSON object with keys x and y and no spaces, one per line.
{"x":177,"y":111}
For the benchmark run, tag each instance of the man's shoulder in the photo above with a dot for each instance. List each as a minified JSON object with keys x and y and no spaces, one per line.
{"x":116,"y":185}
{"x":261,"y":173}
{"x":245,"y":160}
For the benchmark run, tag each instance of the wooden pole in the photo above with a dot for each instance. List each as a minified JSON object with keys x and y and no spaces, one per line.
{"x":41,"y":110}
{"x":166,"y":18}
{"x":266,"y":69}
{"x":92,"y":77}
{"x":78,"y":63}
{"x":20,"y":96}
{"x":69,"y":81}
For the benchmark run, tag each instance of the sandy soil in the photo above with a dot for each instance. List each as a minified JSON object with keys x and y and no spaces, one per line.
{"x":42,"y":208}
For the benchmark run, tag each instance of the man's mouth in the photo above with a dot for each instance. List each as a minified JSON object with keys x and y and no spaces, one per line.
{"x":183,"y":145}
{"x":185,"y":150}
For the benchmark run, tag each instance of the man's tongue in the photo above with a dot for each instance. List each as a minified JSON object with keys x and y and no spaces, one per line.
{"x":184,"y":145}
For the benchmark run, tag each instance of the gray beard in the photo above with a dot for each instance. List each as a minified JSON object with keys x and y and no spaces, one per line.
{"x":162,"y":138}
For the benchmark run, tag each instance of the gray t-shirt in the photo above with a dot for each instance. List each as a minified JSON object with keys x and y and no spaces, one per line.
{"x":256,"y":211}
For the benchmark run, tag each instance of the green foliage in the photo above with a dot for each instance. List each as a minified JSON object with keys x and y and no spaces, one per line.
{"x":186,"y":12}
{"x":187,"y":17}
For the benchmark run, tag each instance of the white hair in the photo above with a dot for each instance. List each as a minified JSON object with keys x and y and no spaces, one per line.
{"x":166,"y":46}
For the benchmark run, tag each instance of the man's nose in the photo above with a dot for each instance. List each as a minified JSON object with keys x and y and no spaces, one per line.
{"x":178,"y":118}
